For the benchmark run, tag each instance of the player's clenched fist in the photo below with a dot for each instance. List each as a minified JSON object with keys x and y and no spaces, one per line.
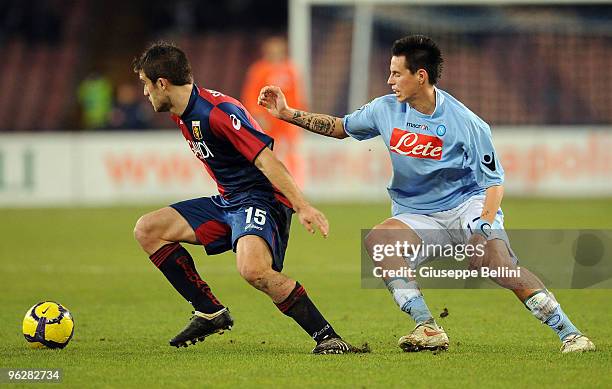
{"x":312,"y":218}
{"x":273,"y":99}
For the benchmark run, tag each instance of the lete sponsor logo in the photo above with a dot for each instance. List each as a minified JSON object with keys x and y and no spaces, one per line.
{"x":415,"y":145}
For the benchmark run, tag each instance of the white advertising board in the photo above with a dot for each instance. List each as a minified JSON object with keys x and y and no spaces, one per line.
{"x":148,"y":167}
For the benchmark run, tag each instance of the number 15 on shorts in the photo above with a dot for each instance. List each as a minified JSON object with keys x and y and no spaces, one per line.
{"x":258,"y":217}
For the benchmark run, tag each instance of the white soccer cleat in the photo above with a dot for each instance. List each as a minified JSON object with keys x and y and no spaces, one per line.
{"x":576,"y":343}
{"x":425,"y":336}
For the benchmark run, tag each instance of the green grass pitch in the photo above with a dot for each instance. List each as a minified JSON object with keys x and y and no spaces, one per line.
{"x":125,"y":311}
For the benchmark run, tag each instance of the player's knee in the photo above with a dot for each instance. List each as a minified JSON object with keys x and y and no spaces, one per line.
{"x":253,"y":261}
{"x":144,"y":230}
{"x":378,"y":237}
{"x":372,"y":238}
{"x":255,"y":275}
{"x":495,"y":255}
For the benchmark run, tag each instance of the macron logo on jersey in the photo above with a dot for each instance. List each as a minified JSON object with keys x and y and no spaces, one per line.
{"x":415,"y":145}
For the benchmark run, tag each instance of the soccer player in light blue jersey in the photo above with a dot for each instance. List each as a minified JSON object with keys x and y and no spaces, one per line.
{"x":447,"y":186}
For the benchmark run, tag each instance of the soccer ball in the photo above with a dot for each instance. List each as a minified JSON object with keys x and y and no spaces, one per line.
{"x":48,"y":325}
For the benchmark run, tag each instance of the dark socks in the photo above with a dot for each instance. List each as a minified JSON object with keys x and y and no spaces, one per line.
{"x":178,"y":267}
{"x":300,"y":308}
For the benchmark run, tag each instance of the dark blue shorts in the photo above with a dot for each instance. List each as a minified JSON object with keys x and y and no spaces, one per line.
{"x":218,"y":225}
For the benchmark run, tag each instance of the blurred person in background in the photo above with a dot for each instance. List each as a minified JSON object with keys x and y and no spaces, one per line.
{"x":275,"y":68}
{"x":129,"y":112}
{"x":95,"y":95}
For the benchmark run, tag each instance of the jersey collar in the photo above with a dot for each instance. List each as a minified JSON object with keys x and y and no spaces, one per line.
{"x":437,"y":110}
{"x":192,"y":100}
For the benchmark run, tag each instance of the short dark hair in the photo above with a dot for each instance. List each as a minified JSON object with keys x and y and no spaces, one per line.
{"x":164,"y":60}
{"x":421,"y":52}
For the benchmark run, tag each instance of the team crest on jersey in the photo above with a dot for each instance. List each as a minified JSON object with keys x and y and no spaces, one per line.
{"x":195,"y":127}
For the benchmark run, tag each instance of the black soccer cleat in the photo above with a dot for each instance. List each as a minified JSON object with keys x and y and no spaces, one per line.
{"x":201,"y":326}
{"x":338,"y":346}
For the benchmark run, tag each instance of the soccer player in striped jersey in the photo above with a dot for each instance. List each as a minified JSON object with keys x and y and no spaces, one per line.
{"x":251,"y":215}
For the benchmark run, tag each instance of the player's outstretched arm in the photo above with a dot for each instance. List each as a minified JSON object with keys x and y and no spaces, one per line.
{"x":273,"y":99}
{"x":309,"y":216}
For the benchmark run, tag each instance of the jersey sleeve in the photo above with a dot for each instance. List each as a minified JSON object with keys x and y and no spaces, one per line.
{"x":361,"y":124}
{"x":482,"y":157}
{"x":230,"y":122}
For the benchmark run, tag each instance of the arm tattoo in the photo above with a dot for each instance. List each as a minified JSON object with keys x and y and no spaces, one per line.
{"x":314,"y":122}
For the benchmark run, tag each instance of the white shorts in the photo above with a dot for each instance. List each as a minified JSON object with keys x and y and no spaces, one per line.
{"x":454,"y":226}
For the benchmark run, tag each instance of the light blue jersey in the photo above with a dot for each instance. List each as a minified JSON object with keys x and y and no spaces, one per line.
{"x":439,"y":160}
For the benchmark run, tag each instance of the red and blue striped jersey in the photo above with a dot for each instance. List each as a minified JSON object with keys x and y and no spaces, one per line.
{"x":225,"y":137}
